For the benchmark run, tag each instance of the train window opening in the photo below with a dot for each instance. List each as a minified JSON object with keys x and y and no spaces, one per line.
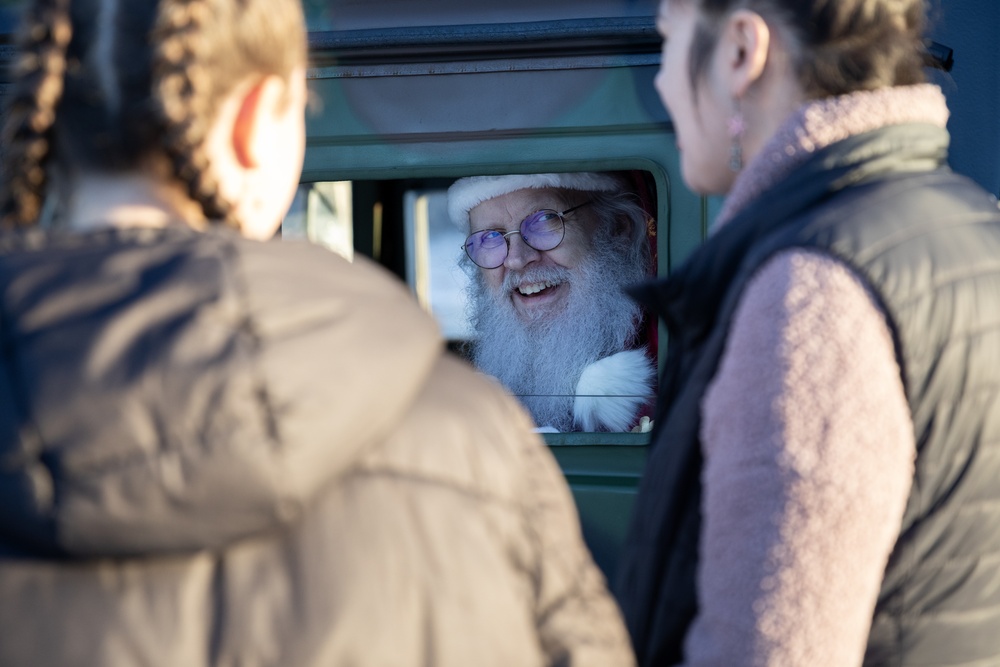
{"x":322,"y":213}
{"x":404,"y":224}
{"x":434,"y":270}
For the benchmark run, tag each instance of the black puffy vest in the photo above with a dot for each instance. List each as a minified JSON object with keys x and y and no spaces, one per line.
{"x":927,"y":243}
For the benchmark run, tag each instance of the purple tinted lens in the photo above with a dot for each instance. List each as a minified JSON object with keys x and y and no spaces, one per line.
{"x":543,"y":230}
{"x":487,"y":248}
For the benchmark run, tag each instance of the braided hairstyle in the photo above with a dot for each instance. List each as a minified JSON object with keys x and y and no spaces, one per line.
{"x":27,"y":134}
{"x":839,"y":46}
{"x":119,"y":85}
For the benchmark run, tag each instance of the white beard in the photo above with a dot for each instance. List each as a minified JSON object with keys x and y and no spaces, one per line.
{"x":541,"y":361}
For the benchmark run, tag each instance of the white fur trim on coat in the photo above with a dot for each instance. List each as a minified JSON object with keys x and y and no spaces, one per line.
{"x":467,"y":193}
{"x":612,"y":390}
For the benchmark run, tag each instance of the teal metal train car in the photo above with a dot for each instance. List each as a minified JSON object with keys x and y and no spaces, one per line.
{"x":408,"y":96}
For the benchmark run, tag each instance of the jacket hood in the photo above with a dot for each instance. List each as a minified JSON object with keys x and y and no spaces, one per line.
{"x":169,"y":391}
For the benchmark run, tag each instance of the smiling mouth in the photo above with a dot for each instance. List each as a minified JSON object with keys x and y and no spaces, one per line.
{"x":532,"y":289}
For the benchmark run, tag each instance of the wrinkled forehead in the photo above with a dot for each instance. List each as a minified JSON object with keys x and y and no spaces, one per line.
{"x":508,"y":210}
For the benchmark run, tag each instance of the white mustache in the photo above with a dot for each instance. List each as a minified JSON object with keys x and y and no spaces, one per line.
{"x":535,"y":275}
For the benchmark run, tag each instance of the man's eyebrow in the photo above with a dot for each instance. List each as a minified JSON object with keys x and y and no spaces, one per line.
{"x":494,"y":227}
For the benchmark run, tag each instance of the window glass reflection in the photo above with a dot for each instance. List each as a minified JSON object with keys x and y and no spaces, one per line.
{"x":322,"y":213}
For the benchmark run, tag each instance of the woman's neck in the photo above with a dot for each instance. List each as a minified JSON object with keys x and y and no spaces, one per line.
{"x":819,"y":123}
{"x":767,"y":109}
{"x":127,"y":200}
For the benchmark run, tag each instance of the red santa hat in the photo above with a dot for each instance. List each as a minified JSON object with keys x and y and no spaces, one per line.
{"x":467,"y":193}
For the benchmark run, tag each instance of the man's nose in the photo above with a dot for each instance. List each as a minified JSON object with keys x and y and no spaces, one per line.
{"x":519,"y":253}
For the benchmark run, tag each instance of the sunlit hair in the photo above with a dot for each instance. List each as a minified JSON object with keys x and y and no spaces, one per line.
{"x":112,"y":85}
{"x":838,"y":46}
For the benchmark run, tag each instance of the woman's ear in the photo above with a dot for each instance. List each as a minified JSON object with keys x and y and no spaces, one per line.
{"x":747,"y":40}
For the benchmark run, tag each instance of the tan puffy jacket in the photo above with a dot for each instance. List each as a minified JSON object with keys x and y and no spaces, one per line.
{"x":221,"y":452}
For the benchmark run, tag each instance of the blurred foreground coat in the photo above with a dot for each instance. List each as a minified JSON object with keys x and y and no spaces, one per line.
{"x":219,"y":452}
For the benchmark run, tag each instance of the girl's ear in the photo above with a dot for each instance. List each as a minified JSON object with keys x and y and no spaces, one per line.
{"x":256,"y":104}
{"x":747,"y":39}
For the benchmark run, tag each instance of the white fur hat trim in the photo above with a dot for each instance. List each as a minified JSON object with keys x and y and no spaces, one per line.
{"x":467,"y":193}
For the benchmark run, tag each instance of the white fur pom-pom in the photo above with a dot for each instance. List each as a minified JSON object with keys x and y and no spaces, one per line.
{"x":611,"y":391}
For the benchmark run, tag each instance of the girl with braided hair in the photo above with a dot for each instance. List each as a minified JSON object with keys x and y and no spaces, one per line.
{"x":117,"y":89}
{"x":821,"y":488}
{"x":218,"y":451}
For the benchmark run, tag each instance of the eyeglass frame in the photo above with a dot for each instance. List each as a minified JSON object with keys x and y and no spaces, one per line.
{"x":506,"y":235}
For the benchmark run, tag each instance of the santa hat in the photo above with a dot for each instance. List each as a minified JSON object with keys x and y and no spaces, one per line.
{"x":467,"y":193}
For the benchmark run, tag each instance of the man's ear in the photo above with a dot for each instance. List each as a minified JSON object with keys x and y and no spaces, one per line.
{"x":623,"y":227}
{"x":747,"y":39}
{"x":255,"y":103}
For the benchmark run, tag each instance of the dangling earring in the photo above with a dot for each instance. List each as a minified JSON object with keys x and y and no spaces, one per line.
{"x":737,"y":127}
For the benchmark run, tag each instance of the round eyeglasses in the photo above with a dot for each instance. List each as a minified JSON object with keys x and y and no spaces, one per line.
{"x":542,"y":230}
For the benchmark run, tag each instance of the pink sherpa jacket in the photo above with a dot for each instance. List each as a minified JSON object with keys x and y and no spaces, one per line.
{"x":807,"y":437}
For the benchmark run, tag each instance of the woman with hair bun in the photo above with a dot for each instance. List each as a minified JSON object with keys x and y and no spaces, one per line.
{"x":216,"y":451}
{"x":822,"y":486}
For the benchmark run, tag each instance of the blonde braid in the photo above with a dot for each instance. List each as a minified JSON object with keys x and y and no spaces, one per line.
{"x":182,"y":90}
{"x":27,"y":134}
